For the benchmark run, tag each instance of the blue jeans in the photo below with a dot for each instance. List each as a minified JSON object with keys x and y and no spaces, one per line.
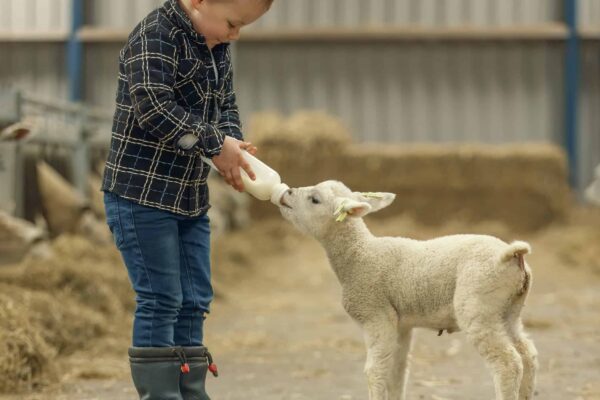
{"x":168,"y":262}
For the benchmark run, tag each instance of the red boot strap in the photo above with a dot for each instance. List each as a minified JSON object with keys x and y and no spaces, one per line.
{"x":213,"y":369}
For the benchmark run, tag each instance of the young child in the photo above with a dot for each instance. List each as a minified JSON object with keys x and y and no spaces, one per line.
{"x":175,"y":104}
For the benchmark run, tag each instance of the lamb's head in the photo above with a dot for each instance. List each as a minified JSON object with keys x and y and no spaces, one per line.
{"x":318,"y":209}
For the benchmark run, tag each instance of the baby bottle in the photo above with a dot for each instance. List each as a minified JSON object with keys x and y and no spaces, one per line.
{"x":267,"y":185}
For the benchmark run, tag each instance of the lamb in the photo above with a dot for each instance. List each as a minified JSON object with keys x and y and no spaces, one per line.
{"x":390,"y":285}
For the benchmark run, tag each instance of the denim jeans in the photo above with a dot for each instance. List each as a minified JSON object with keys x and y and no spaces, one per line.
{"x":168,"y":261}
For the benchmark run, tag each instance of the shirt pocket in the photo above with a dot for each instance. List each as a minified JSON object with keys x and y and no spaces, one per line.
{"x":188,"y":68}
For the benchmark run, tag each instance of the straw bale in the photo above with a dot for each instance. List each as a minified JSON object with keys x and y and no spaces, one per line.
{"x":25,"y":358}
{"x":96,"y":196}
{"x":264,"y":125}
{"x":306,"y":135}
{"x":63,"y":322}
{"x":524,"y":186}
{"x":91,"y":274}
{"x":62,"y":205}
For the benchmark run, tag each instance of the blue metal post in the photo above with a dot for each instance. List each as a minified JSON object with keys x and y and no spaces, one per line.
{"x":80,"y":163}
{"x":572,"y":81}
{"x":75,"y":52}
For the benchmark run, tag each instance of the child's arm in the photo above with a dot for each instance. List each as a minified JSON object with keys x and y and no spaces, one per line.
{"x":151,"y":68}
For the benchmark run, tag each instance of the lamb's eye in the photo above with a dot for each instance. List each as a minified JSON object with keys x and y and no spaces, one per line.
{"x":314,"y":200}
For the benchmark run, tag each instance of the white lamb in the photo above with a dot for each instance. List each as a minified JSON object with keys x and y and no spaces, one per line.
{"x":473,"y":283}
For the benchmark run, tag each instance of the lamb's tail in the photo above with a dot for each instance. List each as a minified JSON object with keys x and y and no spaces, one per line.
{"x":515,"y":250}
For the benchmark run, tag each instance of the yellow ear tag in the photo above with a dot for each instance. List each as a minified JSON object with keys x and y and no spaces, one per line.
{"x":341,"y":215}
{"x":372,"y":195}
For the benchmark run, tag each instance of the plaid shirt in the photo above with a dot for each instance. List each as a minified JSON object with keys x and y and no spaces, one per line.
{"x":171,"y":86}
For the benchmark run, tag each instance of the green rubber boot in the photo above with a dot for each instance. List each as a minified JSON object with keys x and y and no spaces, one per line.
{"x":192,"y":384}
{"x":156,"y":372}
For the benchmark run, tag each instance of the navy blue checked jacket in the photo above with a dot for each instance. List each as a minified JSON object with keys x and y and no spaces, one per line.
{"x":171,"y":89}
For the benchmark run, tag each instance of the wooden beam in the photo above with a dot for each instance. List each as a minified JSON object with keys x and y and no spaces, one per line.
{"x":33,"y":36}
{"x":553,"y":31}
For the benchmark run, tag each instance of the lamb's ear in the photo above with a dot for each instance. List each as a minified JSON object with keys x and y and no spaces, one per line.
{"x":377,"y":200}
{"x":347,"y":207}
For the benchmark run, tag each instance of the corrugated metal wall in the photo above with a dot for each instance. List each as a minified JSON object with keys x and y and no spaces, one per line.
{"x":350,"y":13}
{"x":35,"y":15}
{"x":589,"y":126}
{"x":118,"y":13}
{"x":310,"y":13}
{"x":589,"y":13}
{"x":37,"y":67}
{"x":34,"y":67}
{"x":415,"y":92}
{"x":385,"y":91}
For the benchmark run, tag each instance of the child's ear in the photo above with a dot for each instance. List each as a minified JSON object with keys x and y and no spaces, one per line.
{"x":347,"y":207}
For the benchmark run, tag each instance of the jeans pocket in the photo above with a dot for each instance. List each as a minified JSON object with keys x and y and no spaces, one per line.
{"x":117,"y":232}
{"x":113,"y":218}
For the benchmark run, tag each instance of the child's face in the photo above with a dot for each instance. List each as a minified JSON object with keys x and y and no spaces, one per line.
{"x":220,"y":21}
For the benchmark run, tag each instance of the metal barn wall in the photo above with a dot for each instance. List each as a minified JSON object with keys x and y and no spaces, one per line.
{"x":589,"y":13}
{"x":37,"y":67}
{"x":101,"y":68}
{"x":589,"y":121}
{"x":416,"y":92}
{"x":350,"y":13}
{"x":385,"y":91}
{"x":310,"y":13}
{"x":589,"y":126}
{"x":35,"y":15}
{"x":34,"y":67}
{"x":118,"y":13}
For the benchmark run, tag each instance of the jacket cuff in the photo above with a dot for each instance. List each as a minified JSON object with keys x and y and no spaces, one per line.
{"x":204,"y":139}
{"x":231,"y":130}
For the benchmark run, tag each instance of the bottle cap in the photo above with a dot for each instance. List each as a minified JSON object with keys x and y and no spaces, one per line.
{"x":278,"y":192}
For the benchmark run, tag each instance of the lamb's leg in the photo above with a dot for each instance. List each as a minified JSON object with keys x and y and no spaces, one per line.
{"x":528,"y":353}
{"x":495,"y":346}
{"x":382,"y":366}
{"x":401,"y":367}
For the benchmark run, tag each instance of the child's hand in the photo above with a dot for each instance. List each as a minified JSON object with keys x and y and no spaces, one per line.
{"x":231,"y":160}
{"x":249,"y":147}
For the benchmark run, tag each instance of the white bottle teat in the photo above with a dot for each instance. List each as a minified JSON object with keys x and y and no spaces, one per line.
{"x":267,"y":185}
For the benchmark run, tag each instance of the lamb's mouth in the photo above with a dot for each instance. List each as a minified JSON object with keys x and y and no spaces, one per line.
{"x":284,"y":203}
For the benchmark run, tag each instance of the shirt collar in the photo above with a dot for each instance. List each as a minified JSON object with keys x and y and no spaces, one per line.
{"x":182,"y":20}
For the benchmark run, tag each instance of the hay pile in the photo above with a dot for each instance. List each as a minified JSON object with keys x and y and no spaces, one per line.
{"x":56,"y":305}
{"x":307,"y":135}
{"x":577,"y":242}
{"x":25,"y":357}
{"x":524,"y":186}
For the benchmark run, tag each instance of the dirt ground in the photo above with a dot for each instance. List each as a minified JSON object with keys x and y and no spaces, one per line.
{"x":279,"y":331}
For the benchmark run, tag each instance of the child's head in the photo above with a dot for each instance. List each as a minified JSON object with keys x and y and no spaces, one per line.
{"x":219,"y":21}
